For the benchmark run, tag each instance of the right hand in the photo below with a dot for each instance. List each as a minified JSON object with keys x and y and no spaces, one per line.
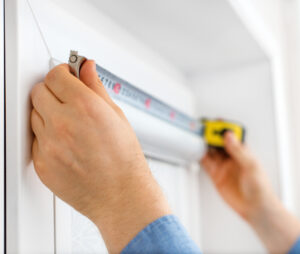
{"x":242,"y":183}
{"x":238,"y":177}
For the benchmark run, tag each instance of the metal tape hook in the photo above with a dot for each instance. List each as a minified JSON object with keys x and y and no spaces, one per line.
{"x":75,"y":62}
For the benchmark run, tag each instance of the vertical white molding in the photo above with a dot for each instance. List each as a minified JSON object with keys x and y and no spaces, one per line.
{"x":2,"y":82}
{"x":291,"y":64}
{"x":29,"y":204}
{"x":264,"y":19}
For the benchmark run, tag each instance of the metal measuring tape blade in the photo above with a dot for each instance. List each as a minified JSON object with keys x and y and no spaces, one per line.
{"x":124,"y":91}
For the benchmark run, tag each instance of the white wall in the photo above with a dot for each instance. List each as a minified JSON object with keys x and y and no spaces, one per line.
{"x":244,"y":95}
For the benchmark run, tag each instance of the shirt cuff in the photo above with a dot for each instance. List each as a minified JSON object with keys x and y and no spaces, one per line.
{"x":296,"y":248}
{"x":164,"y":235}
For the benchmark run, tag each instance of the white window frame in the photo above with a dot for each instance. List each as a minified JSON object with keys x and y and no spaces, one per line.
{"x":2,"y":143}
{"x":264,"y":21}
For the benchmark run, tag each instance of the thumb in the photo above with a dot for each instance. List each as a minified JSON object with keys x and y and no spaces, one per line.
{"x":236,"y":150}
{"x":89,"y":76}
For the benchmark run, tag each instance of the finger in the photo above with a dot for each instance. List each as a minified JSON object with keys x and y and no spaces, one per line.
{"x":209,"y":165}
{"x":37,"y":124}
{"x":43,"y":100}
{"x":36,"y":158}
{"x":223,"y":173}
{"x":64,"y":85}
{"x":34,"y":148}
{"x":89,"y":76}
{"x":236,"y":150}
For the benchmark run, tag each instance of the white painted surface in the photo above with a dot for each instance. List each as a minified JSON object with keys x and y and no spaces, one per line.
{"x":2,"y":82}
{"x":263,"y":19}
{"x":30,"y":227}
{"x":130,"y":59}
{"x":196,"y":36}
{"x":245,"y":95}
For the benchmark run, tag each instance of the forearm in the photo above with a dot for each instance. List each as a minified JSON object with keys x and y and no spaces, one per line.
{"x":277,"y":228}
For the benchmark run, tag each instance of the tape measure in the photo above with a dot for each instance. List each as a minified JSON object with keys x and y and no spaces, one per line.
{"x":213,"y":132}
{"x":120,"y":89}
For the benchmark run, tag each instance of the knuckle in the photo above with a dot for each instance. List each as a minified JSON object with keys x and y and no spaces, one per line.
{"x":36,"y":90}
{"x":55,"y":74}
{"x":33,"y":116}
{"x":40,"y":169}
{"x":33,"y":120}
{"x":39,"y":165}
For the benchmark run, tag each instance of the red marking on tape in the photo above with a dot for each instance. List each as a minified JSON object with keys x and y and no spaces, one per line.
{"x":172,"y":115}
{"x":192,"y":125}
{"x":148,"y":103}
{"x":117,"y":88}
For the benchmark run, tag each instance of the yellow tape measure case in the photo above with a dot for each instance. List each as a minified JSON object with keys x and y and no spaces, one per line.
{"x":213,"y":132}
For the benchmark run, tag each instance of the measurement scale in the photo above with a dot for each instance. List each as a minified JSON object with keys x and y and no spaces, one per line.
{"x":122,"y":90}
{"x":211,"y":130}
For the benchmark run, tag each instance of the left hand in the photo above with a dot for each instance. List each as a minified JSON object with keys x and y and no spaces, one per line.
{"x":86,"y":152}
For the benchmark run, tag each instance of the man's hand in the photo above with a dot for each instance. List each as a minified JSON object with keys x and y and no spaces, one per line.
{"x":238,"y":177}
{"x":86,"y":152}
{"x":242,"y":183}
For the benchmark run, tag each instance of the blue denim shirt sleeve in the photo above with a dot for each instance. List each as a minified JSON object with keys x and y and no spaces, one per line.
{"x":296,"y":248}
{"x":165,"y":235}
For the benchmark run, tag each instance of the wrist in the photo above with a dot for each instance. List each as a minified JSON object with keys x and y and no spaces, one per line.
{"x":262,"y":208}
{"x":275,"y":225}
{"x":136,"y":203}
